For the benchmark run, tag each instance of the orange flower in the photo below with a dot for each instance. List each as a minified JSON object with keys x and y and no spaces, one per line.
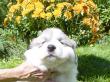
{"x":95,"y":29}
{"x":95,"y":25}
{"x":86,"y":9}
{"x":80,"y":1}
{"x":78,"y":7}
{"x":91,"y":4}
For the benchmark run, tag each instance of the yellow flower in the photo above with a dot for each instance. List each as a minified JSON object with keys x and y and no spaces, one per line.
{"x":42,"y":15}
{"x":48,"y":0}
{"x":60,"y":5}
{"x":48,"y":15}
{"x":64,"y":4}
{"x":5,"y":23}
{"x":78,"y":7}
{"x":57,"y":12}
{"x":13,"y":8}
{"x":35,"y":14}
{"x":50,"y":7}
{"x":25,"y":12}
{"x":27,"y":8}
{"x":87,"y":21}
{"x":34,"y":0}
{"x":18,"y":18}
{"x":24,"y":4}
{"x":10,"y":16}
{"x":30,"y":6}
{"x":30,"y":0}
{"x":39,"y":5}
{"x":19,"y":1}
{"x":68,"y":15}
{"x":52,"y":0}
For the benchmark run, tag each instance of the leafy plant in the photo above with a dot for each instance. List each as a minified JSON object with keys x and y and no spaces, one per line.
{"x":9,"y":45}
{"x":105,"y":18}
{"x":78,"y":19}
{"x":3,"y":10}
{"x":104,"y":15}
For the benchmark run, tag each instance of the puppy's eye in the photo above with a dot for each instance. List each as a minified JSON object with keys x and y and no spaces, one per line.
{"x":43,"y":42}
{"x":63,"y":42}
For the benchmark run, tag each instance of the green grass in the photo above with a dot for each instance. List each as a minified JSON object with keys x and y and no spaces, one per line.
{"x":11,"y":62}
{"x":94,"y":63}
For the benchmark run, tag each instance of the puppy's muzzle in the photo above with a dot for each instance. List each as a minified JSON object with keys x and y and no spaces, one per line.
{"x":51,"y":48}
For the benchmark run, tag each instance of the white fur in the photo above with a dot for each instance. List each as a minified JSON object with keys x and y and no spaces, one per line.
{"x":64,"y":60}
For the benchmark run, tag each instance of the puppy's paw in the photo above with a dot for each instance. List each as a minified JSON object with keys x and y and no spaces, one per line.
{"x":43,"y":68}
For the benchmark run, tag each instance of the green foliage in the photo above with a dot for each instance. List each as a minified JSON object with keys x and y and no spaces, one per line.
{"x":104,"y":13}
{"x":105,"y":18}
{"x":105,"y":39}
{"x":3,"y":10}
{"x":29,"y":27}
{"x":102,"y":2}
{"x":11,"y":62}
{"x":10,"y":45}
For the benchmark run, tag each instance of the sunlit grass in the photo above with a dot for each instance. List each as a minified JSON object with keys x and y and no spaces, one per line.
{"x":11,"y":62}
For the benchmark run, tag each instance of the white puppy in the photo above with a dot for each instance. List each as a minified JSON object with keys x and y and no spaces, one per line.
{"x":53,"y":50}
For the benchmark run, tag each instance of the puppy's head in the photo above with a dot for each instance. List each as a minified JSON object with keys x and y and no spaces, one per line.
{"x":55,"y":46}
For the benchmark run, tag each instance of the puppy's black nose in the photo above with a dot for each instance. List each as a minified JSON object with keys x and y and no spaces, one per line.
{"x":51,"y":48}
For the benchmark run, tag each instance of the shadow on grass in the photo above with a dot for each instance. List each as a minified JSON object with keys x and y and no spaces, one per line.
{"x":92,"y":66}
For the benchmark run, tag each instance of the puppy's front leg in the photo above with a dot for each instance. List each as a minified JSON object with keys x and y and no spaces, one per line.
{"x":66,"y":78}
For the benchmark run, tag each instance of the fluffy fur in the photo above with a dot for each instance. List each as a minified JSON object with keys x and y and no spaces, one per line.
{"x":53,"y":50}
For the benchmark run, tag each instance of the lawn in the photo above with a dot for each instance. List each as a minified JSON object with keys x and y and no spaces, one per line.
{"x":94,"y":63}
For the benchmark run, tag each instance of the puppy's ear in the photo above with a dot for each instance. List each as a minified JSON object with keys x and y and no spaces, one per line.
{"x":36,"y":42}
{"x":39,"y":33}
{"x":33,"y":43}
{"x":73,"y":43}
{"x":69,"y":42}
